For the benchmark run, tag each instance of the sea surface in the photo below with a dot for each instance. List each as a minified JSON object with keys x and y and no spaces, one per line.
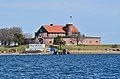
{"x":90,"y":66}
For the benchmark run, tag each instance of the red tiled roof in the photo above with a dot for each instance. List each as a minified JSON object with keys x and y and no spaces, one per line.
{"x":73,"y":29}
{"x":54,"y":28}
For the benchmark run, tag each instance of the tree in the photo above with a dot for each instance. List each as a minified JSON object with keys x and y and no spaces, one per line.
{"x":115,"y":46}
{"x":80,"y":38}
{"x":59,"y":41}
{"x":19,"y":38}
{"x":7,"y":35}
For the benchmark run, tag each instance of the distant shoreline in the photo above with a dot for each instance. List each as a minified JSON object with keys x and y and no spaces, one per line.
{"x":23,"y":54}
{"x":73,"y":49}
{"x":94,"y":52}
{"x":71,"y":52}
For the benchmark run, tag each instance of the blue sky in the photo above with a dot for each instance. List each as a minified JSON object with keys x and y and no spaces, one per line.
{"x":91,"y":17}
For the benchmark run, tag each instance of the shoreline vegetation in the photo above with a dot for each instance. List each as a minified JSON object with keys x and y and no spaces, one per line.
{"x":14,"y":42}
{"x":73,"y":49}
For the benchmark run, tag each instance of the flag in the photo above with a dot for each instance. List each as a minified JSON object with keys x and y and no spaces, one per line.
{"x":70,"y":16}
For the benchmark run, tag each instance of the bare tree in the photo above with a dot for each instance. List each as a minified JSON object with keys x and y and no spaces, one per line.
{"x":15,"y":31}
{"x":4,"y":35}
{"x":7,"y":35}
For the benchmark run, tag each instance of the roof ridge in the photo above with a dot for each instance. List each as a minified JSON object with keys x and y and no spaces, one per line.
{"x":57,"y":29}
{"x":53,"y":25}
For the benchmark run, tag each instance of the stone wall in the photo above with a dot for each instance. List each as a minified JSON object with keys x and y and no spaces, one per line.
{"x":42,"y":35}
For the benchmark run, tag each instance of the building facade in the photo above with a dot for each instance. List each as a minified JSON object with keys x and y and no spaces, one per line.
{"x":69,"y":33}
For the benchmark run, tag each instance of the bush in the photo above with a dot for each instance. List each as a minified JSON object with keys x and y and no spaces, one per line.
{"x":115,"y":46}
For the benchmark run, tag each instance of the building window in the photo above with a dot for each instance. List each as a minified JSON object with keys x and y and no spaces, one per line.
{"x":64,"y":42}
{"x":90,"y":41}
{"x":50,"y":42}
{"x":96,"y":41}
{"x":72,"y":42}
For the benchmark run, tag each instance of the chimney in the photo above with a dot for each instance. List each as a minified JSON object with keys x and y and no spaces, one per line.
{"x":69,"y":29}
{"x":69,"y":24}
{"x":51,"y":24}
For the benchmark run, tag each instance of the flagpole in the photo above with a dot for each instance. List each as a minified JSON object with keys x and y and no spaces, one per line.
{"x":70,"y":19}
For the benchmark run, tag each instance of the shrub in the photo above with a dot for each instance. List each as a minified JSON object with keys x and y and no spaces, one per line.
{"x":114,"y":46}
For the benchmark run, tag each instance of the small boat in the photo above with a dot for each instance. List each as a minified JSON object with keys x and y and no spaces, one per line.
{"x":64,"y":52}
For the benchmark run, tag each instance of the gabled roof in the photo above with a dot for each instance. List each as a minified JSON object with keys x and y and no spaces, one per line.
{"x":73,"y":29}
{"x":54,"y":28}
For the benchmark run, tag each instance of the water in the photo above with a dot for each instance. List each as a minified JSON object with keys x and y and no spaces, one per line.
{"x":60,"y":67}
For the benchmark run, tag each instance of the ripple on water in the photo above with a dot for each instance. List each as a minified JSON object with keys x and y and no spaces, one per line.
{"x":60,"y":67}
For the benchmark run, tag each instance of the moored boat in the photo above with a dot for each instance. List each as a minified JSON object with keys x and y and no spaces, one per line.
{"x":63,"y":52}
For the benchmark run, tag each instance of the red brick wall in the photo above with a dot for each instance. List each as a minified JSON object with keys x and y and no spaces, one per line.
{"x":48,"y":41}
{"x":92,"y":41}
{"x":86,"y":41}
{"x":69,"y":41}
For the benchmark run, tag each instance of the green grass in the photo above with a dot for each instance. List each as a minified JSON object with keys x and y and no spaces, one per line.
{"x":88,"y":47}
{"x":18,"y":48}
{"x":68,"y":47}
{"x":21,"y":48}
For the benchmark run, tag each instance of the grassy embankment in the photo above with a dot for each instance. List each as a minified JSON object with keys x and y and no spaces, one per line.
{"x":93,"y":48}
{"x":68,"y":47}
{"x":89,"y":47}
{"x":18,"y":48}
